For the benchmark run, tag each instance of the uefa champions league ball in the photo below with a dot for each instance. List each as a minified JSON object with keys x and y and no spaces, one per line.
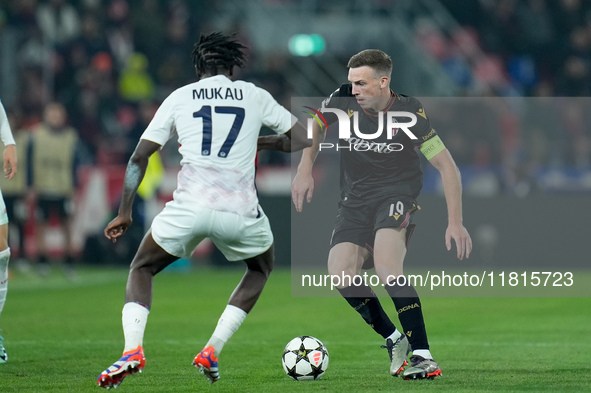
{"x":305,"y":358}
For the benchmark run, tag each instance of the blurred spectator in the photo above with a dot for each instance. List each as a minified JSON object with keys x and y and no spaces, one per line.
{"x":34,"y":94}
{"x":576,"y":123}
{"x":537,"y":27}
{"x":120,"y":32}
{"x":573,"y":79}
{"x":490,"y":71}
{"x":146,"y":111}
{"x":462,"y":48}
{"x":171,"y":63}
{"x":90,"y":124}
{"x":22,"y":14}
{"x":149,"y":24}
{"x":542,"y":134}
{"x":91,"y":42}
{"x":53,"y":163}
{"x":523,"y":73}
{"x":135,"y":83}
{"x":59,"y":21}
{"x":34,"y":50}
{"x":567,"y":14}
{"x":500,"y":30}
{"x":431,"y":39}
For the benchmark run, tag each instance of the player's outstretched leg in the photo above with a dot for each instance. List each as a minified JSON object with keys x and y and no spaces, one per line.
{"x":130,"y":363}
{"x":410,"y":313}
{"x":421,"y":368}
{"x":207,"y":363}
{"x":363,"y":300}
{"x":241,"y":302}
{"x":148,"y":261}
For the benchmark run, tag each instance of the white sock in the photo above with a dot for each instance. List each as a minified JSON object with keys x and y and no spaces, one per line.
{"x":228,"y":324}
{"x":4,"y":257}
{"x":133,"y":318}
{"x":423,"y":353}
{"x":394,"y":336}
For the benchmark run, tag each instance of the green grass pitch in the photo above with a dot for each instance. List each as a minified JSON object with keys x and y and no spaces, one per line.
{"x":60,"y":335}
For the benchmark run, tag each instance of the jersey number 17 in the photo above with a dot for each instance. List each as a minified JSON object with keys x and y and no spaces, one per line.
{"x":205,"y":114}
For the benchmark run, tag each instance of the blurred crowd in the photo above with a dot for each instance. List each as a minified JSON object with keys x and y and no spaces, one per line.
{"x":107,"y":65}
{"x":536,"y":47}
{"x":525,"y":48}
{"x":110,"y":63}
{"x":104,"y":67}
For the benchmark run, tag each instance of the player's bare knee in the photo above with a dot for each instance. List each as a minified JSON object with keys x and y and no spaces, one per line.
{"x":263,"y":263}
{"x":338,"y":268}
{"x":138,"y":267}
{"x":144,"y":264}
{"x":150,"y":257}
{"x":387,"y":274}
{"x":266,"y":267}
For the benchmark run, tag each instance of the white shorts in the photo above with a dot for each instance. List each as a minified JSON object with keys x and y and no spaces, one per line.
{"x":3,"y":214}
{"x":179,"y":228}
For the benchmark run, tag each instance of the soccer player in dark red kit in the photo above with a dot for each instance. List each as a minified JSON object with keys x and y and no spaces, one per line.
{"x":380,"y":180}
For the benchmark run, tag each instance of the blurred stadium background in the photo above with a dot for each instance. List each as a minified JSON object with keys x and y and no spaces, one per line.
{"x":112,"y":62}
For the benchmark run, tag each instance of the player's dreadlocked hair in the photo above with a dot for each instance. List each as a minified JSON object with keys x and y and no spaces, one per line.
{"x":217,"y":51}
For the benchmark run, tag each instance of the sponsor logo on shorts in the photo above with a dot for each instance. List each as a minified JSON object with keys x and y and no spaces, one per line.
{"x":409,"y":307}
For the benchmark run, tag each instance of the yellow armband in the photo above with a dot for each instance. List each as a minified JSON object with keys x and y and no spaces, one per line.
{"x":431,"y":147}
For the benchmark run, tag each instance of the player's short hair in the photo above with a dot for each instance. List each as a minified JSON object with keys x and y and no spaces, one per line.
{"x":379,"y":61}
{"x":215,"y":52}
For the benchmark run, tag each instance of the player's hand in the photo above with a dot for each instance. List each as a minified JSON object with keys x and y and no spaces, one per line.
{"x":10,"y":162}
{"x":302,"y":187}
{"x":117,"y":227}
{"x":461,"y":237}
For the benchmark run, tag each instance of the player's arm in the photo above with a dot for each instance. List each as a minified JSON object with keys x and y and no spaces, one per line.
{"x":10,"y":160}
{"x":136,"y":169}
{"x":293,"y":140}
{"x":303,"y":182}
{"x":452,"y":188}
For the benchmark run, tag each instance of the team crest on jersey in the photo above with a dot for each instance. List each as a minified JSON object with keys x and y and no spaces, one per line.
{"x":394,"y":130}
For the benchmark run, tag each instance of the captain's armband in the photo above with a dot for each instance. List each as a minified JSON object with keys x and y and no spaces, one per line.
{"x":431,"y":147}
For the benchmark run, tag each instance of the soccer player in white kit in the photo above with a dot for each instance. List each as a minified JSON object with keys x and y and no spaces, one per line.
{"x":10,"y":167}
{"x":217,"y":122}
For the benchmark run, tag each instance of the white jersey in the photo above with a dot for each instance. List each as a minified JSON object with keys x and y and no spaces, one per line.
{"x":218,"y":122}
{"x":5,"y":133}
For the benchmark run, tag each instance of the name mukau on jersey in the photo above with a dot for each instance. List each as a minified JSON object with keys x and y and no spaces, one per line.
{"x":222,"y":93}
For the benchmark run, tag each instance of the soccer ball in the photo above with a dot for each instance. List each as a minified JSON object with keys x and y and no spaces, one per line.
{"x":305,"y":358}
